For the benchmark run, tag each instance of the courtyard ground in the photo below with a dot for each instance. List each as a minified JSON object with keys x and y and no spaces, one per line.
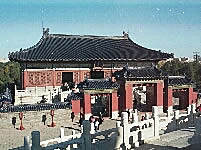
{"x":10,"y":137}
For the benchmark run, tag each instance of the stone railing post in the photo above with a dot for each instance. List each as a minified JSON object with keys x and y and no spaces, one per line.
{"x":175,"y":120}
{"x":73,"y":137}
{"x":119,"y":140}
{"x":192,"y":115}
{"x":134,"y":118}
{"x":124,"y":121}
{"x":86,"y":144}
{"x":176,"y":114}
{"x":189,"y":109}
{"x":62,"y":133}
{"x":118,"y":124}
{"x":193,"y":107}
{"x":27,"y":143}
{"x":81,"y":129}
{"x":169,"y":118}
{"x":35,"y":135}
{"x":156,"y":120}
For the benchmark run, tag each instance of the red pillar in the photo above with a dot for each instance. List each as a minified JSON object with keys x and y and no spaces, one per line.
{"x":128,"y":96}
{"x":114,"y":101}
{"x":190,"y":96}
{"x":87,"y":103}
{"x":122,"y":96}
{"x":25,"y":78}
{"x":167,"y":98}
{"x":54,"y":78}
{"x":76,"y":106}
{"x":149,"y":97}
{"x":195,"y":96}
{"x":158,"y":87}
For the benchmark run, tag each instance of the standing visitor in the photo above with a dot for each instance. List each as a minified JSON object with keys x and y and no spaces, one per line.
{"x":81,"y":119}
{"x":72,"y":116}
{"x":14,"y":121}
{"x":128,"y":115}
{"x":100,"y":120}
{"x":44,"y":119}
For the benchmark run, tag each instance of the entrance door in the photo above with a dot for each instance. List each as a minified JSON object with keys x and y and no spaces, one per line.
{"x":97,"y":74}
{"x":67,"y":77}
{"x":100,"y":104}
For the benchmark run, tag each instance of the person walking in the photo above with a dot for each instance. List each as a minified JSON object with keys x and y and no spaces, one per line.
{"x":100,"y":120}
{"x":72,"y":116}
{"x":81,"y":119}
{"x":44,"y":119}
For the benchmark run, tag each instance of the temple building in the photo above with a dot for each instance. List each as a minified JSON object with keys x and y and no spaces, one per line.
{"x":57,"y":58}
{"x":59,"y":63}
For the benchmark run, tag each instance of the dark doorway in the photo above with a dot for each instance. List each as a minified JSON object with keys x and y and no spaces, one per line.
{"x":67,"y":77}
{"x":97,"y":74}
{"x":101,"y":104}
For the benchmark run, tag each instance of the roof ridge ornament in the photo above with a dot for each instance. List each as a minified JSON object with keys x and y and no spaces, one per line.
{"x":125,"y":34}
{"x":45,"y":32}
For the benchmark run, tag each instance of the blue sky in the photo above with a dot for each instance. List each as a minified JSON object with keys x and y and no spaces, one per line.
{"x":172,"y":26}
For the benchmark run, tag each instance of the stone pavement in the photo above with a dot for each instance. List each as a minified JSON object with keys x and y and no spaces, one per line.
{"x":180,"y":139}
{"x":10,"y":137}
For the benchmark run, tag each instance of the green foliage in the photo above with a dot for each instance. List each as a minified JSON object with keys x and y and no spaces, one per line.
{"x":178,"y":68}
{"x":9,"y":74}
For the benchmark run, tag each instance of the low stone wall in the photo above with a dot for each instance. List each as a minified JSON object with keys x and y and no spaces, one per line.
{"x":35,"y":117}
{"x":35,"y":107}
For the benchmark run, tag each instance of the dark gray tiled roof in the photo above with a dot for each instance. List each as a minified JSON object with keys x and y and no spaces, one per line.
{"x":58,"y":47}
{"x":141,"y":73}
{"x":75,"y":96}
{"x":98,"y":84}
{"x":180,"y":80}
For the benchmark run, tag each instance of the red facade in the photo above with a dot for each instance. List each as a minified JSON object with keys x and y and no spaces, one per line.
{"x":54,"y":77}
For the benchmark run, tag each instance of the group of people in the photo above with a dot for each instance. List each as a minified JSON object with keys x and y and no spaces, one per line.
{"x":81,"y":118}
{"x":97,"y":121}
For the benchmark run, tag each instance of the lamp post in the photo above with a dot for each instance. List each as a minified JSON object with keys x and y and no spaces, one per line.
{"x":21,"y":117}
{"x":53,"y":124}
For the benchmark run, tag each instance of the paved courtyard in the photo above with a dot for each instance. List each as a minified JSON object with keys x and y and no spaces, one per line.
{"x":177,"y":140}
{"x":10,"y":137}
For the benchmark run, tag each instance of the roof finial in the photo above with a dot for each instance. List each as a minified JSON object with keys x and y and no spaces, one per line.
{"x":125,"y":34}
{"x":46,"y":32}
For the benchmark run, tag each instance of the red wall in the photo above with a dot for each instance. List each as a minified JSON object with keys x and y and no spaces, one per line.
{"x":42,"y":78}
{"x":76,"y":106}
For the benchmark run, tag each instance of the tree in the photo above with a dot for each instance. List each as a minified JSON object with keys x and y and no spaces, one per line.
{"x":9,"y":74}
{"x":189,"y":69}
